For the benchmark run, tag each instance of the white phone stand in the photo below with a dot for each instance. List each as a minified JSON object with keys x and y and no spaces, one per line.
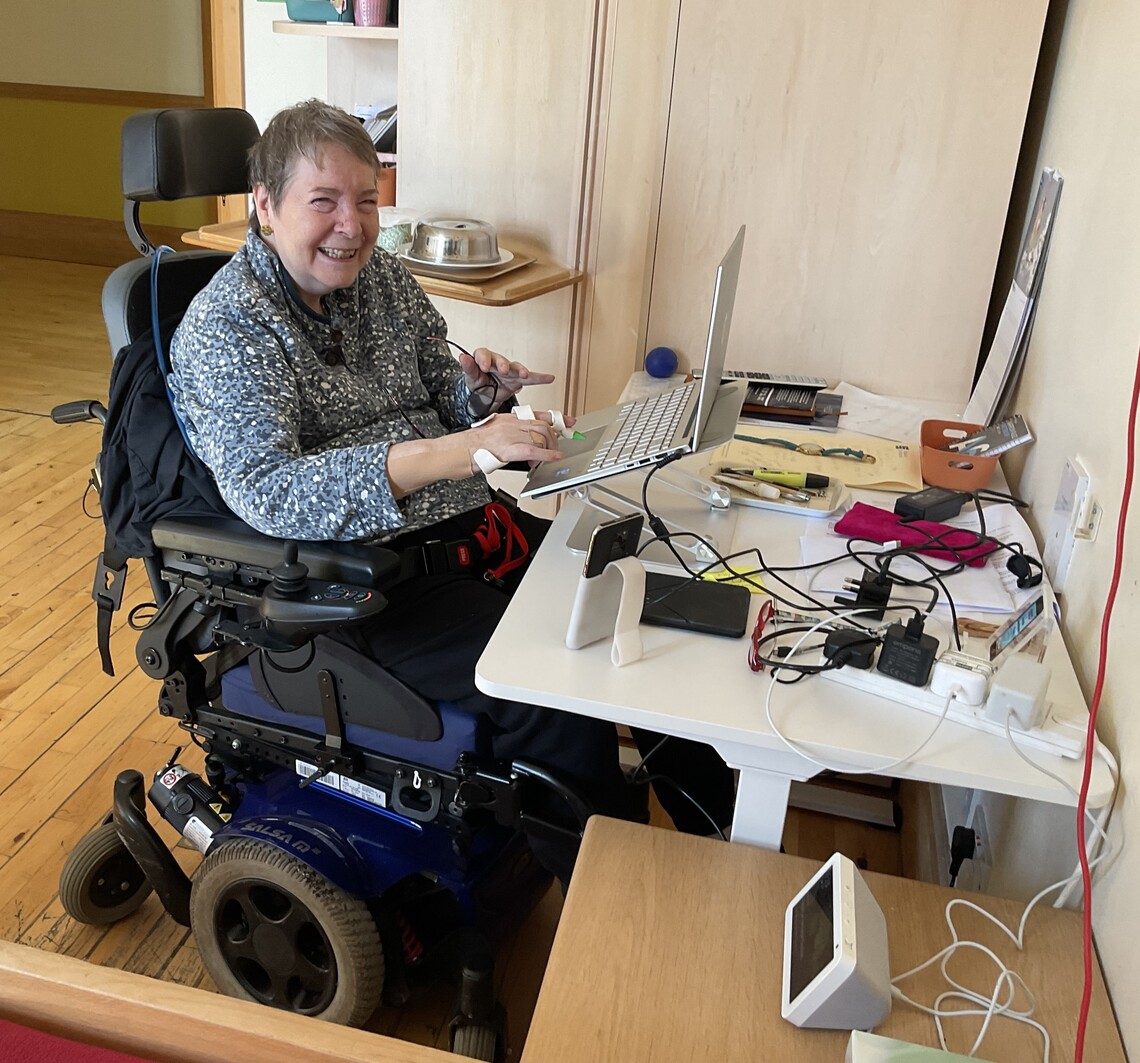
{"x":608,"y":605}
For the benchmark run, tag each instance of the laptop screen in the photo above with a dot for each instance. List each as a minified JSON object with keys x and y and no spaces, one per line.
{"x":724,"y":296}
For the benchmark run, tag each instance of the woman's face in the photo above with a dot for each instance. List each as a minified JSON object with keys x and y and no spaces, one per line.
{"x":326,"y":223}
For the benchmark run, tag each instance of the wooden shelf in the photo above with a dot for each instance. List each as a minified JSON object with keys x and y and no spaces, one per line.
{"x":337,"y":29}
{"x":519,"y":285}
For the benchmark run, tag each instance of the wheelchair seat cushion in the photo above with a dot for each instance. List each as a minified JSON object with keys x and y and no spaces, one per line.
{"x":462,"y":731}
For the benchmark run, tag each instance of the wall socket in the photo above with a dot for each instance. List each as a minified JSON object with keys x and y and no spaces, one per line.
{"x":975,"y":873}
{"x":1075,"y":516}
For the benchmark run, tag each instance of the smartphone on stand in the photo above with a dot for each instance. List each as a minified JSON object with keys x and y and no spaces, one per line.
{"x":611,"y":540}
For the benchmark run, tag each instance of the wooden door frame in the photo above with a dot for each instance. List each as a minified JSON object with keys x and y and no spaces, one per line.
{"x":223,"y":73}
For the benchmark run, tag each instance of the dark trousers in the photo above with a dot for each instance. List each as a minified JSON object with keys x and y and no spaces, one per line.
{"x":431,"y":635}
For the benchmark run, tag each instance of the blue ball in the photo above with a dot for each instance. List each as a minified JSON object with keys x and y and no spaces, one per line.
{"x":661,"y":362}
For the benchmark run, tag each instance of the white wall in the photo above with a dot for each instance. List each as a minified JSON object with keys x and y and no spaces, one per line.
{"x":1076,"y":393}
{"x":280,"y":69}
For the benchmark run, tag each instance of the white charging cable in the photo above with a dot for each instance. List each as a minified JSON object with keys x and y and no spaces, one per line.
{"x":1007,"y":979}
{"x":846,"y":769}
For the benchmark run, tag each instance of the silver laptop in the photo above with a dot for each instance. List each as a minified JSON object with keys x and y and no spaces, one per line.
{"x":692,"y":417}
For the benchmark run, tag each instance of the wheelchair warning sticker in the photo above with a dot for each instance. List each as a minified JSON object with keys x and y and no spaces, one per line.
{"x":197,"y":834}
{"x":339,"y":783}
{"x":172,"y":775}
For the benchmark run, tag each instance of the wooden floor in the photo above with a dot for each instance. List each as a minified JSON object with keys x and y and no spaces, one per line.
{"x":66,"y":729}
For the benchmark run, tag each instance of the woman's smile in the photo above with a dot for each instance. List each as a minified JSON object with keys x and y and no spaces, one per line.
{"x":326,"y":222}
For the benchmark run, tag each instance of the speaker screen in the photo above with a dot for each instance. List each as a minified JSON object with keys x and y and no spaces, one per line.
{"x":813,"y":934}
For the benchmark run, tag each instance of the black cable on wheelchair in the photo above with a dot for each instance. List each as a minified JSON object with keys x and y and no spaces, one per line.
{"x":141,"y":625}
{"x":641,"y":763}
{"x":688,"y":797}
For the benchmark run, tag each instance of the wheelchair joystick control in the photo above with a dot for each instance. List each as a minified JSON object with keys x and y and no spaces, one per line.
{"x":297,"y":608}
{"x":291,"y":576}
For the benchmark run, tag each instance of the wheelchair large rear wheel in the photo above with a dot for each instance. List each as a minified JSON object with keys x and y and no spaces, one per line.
{"x":101,"y":882}
{"x":271,"y":930}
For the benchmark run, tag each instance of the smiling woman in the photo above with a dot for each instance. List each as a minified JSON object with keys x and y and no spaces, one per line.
{"x":314,"y":194}
{"x":311,"y":380}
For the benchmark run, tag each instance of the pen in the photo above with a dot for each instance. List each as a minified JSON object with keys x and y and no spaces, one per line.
{"x":760,"y":488}
{"x":810,"y":480}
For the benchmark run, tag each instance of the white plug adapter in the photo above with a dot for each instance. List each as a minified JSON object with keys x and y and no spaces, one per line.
{"x":968,"y":677}
{"x":1018,"y":692}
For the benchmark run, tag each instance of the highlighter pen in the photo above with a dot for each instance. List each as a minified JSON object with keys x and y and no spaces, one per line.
{"x":810,"y":480}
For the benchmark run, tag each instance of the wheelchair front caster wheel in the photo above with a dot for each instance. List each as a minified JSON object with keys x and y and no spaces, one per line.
{"x":271,"y":930}
{"x":101,"y":882}
{"x":475,"y":1041}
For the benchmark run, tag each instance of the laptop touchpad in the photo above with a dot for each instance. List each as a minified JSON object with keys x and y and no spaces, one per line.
{"x":573,"y":447}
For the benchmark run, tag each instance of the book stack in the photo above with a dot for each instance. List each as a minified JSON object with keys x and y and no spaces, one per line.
{"x":807,"y":407}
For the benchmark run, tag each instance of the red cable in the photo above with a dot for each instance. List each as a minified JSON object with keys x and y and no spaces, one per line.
{"x":1094,"y":707}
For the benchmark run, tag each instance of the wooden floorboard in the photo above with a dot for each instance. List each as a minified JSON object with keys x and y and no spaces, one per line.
{"x":66,"y":729}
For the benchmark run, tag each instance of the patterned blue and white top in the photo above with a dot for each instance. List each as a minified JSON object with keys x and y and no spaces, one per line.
{"x":293,"y":412}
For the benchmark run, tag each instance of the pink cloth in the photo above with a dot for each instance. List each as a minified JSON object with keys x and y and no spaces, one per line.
{"x":881,"y":526}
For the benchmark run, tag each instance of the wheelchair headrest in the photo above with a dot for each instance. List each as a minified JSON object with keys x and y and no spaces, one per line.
{"x":183,"y":152}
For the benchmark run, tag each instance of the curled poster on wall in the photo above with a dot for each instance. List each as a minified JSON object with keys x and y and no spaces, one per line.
{"x":994,"y":389}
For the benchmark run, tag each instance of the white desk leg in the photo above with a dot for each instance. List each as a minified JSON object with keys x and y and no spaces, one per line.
{"x":761,"y":805}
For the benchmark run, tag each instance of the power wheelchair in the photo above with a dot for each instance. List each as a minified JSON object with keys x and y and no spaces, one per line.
{"x":355,"y":838}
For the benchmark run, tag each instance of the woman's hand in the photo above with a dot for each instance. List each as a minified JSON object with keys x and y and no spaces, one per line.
{"x":494,"y":378}
{"x":509,"y":438}
{"x":415,"y":463}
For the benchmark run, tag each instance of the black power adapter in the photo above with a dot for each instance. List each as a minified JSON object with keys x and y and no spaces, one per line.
{"x":908,"y":654}
{"x":935,"y":503}
{"x":855,"y":649}
{"x":872,"y":593}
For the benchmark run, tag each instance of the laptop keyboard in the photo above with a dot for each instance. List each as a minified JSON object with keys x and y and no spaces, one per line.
{"x":644,"y":427}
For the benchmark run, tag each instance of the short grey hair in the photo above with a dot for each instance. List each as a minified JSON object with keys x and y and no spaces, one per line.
{"x":303,"y":131}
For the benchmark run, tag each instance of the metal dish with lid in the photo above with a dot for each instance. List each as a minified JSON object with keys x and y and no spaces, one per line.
{"x":454,"y":241}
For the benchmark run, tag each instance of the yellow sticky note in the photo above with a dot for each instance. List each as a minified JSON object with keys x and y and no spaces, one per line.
{"x":753,"y":582}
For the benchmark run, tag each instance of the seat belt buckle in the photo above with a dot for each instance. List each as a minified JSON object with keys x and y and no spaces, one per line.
{"x":109,"y":583}
{"x":440,"y":557}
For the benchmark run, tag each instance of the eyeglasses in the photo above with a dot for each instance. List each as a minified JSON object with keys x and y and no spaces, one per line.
{"x":485,"y":393}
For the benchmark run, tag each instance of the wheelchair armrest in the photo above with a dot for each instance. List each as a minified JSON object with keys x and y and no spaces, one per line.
{"x":233,"y":540}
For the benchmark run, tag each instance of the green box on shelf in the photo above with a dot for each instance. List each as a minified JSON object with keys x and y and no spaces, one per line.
{"x":317,"y":11}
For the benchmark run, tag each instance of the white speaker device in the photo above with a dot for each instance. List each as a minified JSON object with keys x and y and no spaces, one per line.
{"x":836,"y":969}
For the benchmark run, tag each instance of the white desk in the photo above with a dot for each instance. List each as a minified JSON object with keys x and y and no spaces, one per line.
{"x":700,"y":687}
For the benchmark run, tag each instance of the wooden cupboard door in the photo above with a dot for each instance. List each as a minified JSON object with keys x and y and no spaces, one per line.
{"x":870,"y":148}
{"x":493,"y":104}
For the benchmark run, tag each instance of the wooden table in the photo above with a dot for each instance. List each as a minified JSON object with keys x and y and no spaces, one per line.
{"x":517,"y":286}
{"x":670,"y":949}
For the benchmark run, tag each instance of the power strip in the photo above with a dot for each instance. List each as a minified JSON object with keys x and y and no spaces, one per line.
{"x":1051,"y":737}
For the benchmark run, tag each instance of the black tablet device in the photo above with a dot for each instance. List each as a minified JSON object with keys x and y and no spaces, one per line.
{"x":679,"y":601}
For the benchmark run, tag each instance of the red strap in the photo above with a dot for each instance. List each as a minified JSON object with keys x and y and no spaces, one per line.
{"x":501,"y":532}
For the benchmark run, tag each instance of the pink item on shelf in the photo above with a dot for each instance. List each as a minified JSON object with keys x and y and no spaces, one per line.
{"x":370,"y":12}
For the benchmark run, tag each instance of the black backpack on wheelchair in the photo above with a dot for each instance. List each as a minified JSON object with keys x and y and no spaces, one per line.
{"x":354,"y":836}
